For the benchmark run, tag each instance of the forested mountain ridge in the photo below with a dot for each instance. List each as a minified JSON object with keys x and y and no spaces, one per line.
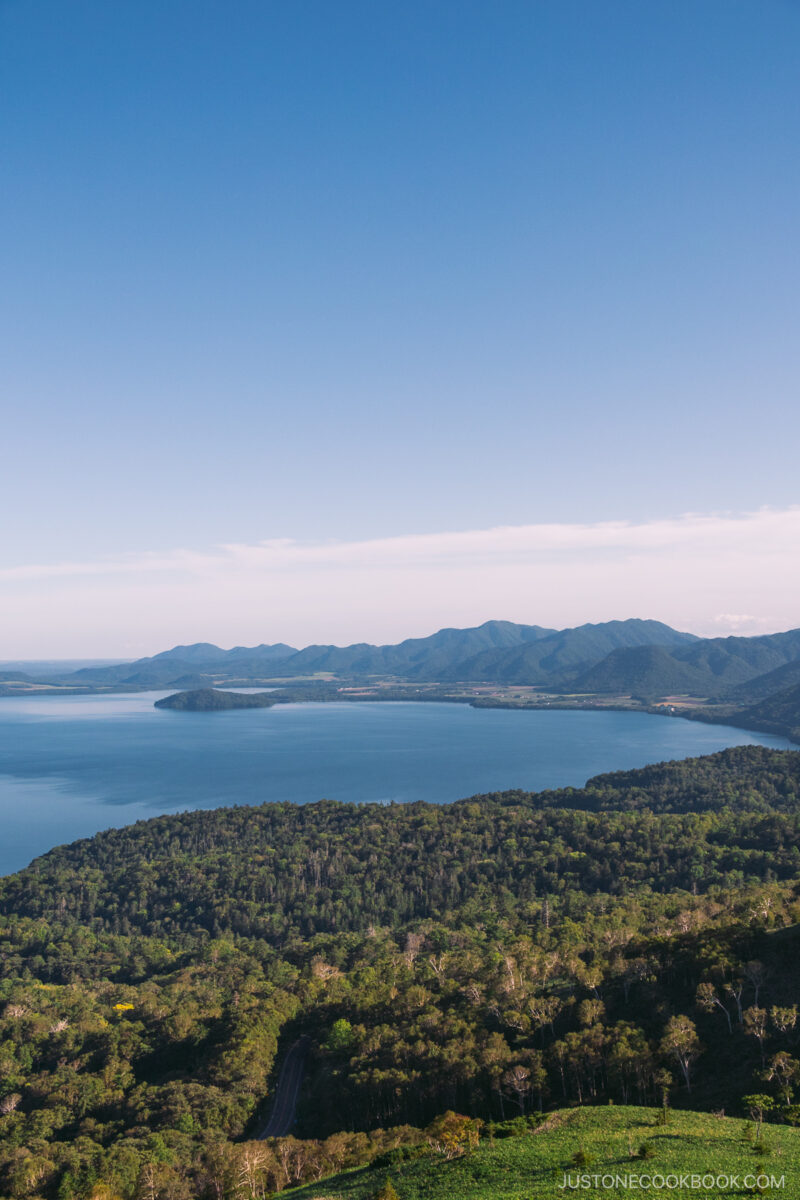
{"x":732,"y":660}
{"x":632,"y":657}
{"x":721,"y":668}
{"x":201,"y":661}
{"x":415,"y":658}
{"x":490,"y":956}
{"x":490,"y":650}
{"x":769,"y":684}
{"x":777,"y":712}
{"x":642,"y":670}
{"x":412,"y":655}
{"x":557,"y":658}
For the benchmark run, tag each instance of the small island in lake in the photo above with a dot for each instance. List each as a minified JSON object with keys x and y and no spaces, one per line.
{"x":213,"y":700}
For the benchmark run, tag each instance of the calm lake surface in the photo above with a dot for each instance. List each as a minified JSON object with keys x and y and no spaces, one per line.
{"x":72,"y":765}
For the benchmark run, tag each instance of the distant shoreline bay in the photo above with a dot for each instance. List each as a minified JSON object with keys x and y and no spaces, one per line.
{"x":206,"y":700}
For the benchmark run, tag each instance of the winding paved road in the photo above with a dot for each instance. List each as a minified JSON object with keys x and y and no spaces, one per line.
{"x":282,"y":1117}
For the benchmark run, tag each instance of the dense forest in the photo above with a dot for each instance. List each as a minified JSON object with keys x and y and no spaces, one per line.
{"x":633,"y":941}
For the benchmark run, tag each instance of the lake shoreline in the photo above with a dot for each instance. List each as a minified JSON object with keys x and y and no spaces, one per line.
{"x":711,"y":714}
{"x":716,"y":715}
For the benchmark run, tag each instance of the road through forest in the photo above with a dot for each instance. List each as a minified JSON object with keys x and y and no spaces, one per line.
{"x":284,"y":1106}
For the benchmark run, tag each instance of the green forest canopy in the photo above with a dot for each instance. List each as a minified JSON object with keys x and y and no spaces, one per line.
{"x":507,"y":953}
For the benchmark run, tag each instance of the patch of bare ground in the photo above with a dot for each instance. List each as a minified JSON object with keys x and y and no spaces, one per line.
{"x":556,"y":1120}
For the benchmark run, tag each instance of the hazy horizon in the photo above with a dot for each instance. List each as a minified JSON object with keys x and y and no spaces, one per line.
{"x":389,"y":589}
{"x":80,"y":662}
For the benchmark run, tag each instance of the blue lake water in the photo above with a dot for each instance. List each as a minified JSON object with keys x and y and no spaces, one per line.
{"x":72,"y":765}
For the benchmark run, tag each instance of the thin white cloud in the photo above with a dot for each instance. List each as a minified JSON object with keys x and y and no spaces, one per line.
{"x":757,"y":532}
{"x":739,"y":621}
{"x":713,"y":573}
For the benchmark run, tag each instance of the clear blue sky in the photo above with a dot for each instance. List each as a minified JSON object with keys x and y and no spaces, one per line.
{"x":295,"y":268}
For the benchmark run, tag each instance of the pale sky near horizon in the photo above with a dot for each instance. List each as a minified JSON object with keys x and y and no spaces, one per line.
{"x":712,"y":575}
{"x":339,"y":322}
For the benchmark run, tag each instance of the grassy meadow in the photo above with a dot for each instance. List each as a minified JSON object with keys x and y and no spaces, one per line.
{"x":608,"y":1141}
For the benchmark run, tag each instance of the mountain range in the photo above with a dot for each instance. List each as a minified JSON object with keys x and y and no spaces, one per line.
{"x":632,"y":657}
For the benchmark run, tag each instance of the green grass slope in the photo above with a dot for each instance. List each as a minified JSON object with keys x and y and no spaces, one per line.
{"x":536,"y":1165}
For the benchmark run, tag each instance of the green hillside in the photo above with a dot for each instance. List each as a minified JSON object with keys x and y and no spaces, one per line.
{"x":779,"y":712}
{"x":716,"y":667}
{"x":607,"y":1142}
{"x":762,"y":686}
{"x":558,"y":658}
{"x":643,"y":671}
